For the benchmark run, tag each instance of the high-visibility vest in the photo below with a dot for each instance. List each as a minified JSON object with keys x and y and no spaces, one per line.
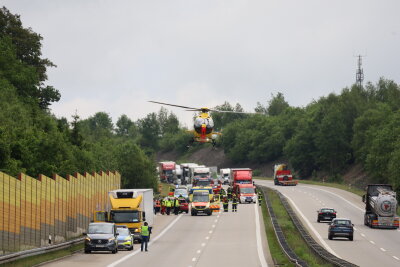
{"x":176,"y":203}
{"x":234,"y":201}
{"x":145,"y":230}
{"x":168,"y":203}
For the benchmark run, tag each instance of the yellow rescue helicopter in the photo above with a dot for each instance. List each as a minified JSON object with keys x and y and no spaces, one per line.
{"x":203,"y":123}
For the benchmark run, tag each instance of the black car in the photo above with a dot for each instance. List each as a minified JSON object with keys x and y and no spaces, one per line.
{"x":326,"y":214}
{"x":341,"y":228}
{"x":101,"y":237}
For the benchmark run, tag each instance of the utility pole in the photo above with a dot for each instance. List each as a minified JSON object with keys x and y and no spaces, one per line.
{"x":359,"y":73}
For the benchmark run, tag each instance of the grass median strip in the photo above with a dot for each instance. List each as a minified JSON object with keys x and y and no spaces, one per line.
{"x":38,"y":259}
{"x":293,"y":237}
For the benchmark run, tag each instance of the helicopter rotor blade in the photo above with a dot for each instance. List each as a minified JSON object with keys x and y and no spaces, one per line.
{"x":172,"y":105}
{"x":229,"y":111}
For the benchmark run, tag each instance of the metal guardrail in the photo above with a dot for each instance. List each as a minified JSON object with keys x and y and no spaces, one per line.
{"x":37,"y":251}
{"x":279,"y":234}
{"x":317,"y":248}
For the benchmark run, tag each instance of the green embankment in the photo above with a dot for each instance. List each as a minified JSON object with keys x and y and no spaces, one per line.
{"x":35,"y":260}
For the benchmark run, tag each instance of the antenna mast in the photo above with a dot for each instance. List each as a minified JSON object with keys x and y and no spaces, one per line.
{"x":359,"y":73}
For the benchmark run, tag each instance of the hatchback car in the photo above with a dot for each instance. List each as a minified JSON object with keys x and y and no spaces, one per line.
{"x":125,"y":239}
{"x":183,"y":205}
{"x":341,"y":228}
{"x":101,"y":237}
{"x":326,"y":214}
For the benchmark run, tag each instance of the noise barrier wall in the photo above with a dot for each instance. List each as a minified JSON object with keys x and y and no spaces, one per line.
{"x":39,"y":212}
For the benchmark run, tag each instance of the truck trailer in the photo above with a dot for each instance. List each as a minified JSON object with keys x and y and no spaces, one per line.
{"x":283,"y":175}
{"x":129,"y":207}
{"x":380,"y":207}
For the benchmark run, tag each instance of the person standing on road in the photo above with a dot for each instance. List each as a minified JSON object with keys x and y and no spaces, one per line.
{"x":176,"y":206}
{"x":145,"y":232}
{"x":234,"y":203}
{"x":259,"y":198}
{"x":168,"y":204}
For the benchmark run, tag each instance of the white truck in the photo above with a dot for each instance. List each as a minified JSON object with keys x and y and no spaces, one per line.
{"x":225,"y":175}
{"x":178,"y":175}
{"x":186,"y":171}
{"x":191,"y":172}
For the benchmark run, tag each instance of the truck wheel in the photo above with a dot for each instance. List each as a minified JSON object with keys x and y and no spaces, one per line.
{"x":87,"y":251}
{"x":187,"y":212}
{"x":351,"y":238}
{"x":330,"y":237}
{"x":114,"y":251}
{"x":209,"y":214}
{"x":318,"y":220}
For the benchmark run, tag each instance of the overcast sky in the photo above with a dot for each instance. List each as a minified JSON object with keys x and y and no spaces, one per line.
{"x":113,"y":56}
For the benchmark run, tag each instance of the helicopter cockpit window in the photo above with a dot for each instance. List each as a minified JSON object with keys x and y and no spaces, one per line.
{"x":200,"y":121}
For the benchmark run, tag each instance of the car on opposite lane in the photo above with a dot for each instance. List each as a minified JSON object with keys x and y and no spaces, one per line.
{"x":341,"y":227}
{"x":326,"y":214}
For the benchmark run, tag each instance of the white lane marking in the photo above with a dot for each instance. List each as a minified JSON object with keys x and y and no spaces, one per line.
{"x":311,"y":227}
{"x":372,"y":242}
{"x":216,"y":221}
{"x":260,"y":250}
{"x":336,"y":196}
{"x":115,"y":263}
{"x":203,"y":244}
{"x":355,"y":228}
{"x":210,"y":232}
{"x":396,"y":258}
{"x":207,"y":237}
{"x":199,"y":251}
{"x":362,"y":235}
{"x":213,"y":226}
{"x":194,"y":259}
{"x":383,"y":249}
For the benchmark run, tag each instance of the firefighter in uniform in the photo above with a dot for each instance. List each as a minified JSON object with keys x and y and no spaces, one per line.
{"x":234,"y":203}
{"x":226,"y":204}
{"x":229,"y":193}
{"x":259,"y":198}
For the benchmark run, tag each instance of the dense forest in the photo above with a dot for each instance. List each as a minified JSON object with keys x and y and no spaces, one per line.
{"x":361,"y":125}
{"x":34,"y":141}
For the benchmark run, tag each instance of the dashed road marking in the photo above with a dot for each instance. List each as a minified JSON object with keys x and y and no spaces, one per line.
{"x":199,"y":251}
{"x":355,"y":228}
{"x":207,"y":237}
{"x":216,"y":221}
{"x":383,"y":249}
{"x":210,"y":232}
{"x":372,"y":242}
{"x":203,"y":244}
{"x":213,"y":226}
{"x":396,"y":258}
{"x":362,"y":235}
{"x":194,"y":259}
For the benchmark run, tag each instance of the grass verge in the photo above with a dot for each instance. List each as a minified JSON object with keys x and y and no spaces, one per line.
{"x":293,"y":237}
{"x":37,"y":259}
{"x":165,"y":189}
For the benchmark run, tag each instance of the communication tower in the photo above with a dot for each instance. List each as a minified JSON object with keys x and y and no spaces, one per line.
{"x":360,"y":72}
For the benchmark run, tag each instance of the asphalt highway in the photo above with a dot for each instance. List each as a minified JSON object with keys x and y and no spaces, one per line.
{"x":222,"y":239}
{"x":371,"y":247}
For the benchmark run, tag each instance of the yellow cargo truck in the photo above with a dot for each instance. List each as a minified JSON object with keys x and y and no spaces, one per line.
{"x":129,"y":207}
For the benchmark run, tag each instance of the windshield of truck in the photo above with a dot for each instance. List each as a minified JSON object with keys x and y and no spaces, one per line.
{"x":124,"y":216}
{"x":226,"y":175}
{"x":201,"y":198}
{"x":243,"y":181}
{"x":182,"y":192}
{"x":247,"y":190}
{"x":168,"y":172}
{"x":203,"y":182}
{"x":202,"y":175}
{"x":100,"y":229}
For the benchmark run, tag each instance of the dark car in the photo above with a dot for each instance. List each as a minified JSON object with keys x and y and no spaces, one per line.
{"x":101,"y":237}
{"x":125,"y":238}
{"x":341,"y":228}
{"x":326,"y":214}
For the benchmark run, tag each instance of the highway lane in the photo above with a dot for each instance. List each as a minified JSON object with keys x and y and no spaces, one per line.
{"x":223,"y":239}
{"x":371,"y":247}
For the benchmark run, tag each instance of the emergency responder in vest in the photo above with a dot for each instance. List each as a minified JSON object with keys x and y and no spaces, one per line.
{"x":222,"y":193}
{"x":259,"y":198}
{"x":145,"y":232}
{"x":229,"y":193}
{"x":168,"y":205}
{"x":226,"y":204}
{"x":176,"y":206}
{"x":234,"y":203}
